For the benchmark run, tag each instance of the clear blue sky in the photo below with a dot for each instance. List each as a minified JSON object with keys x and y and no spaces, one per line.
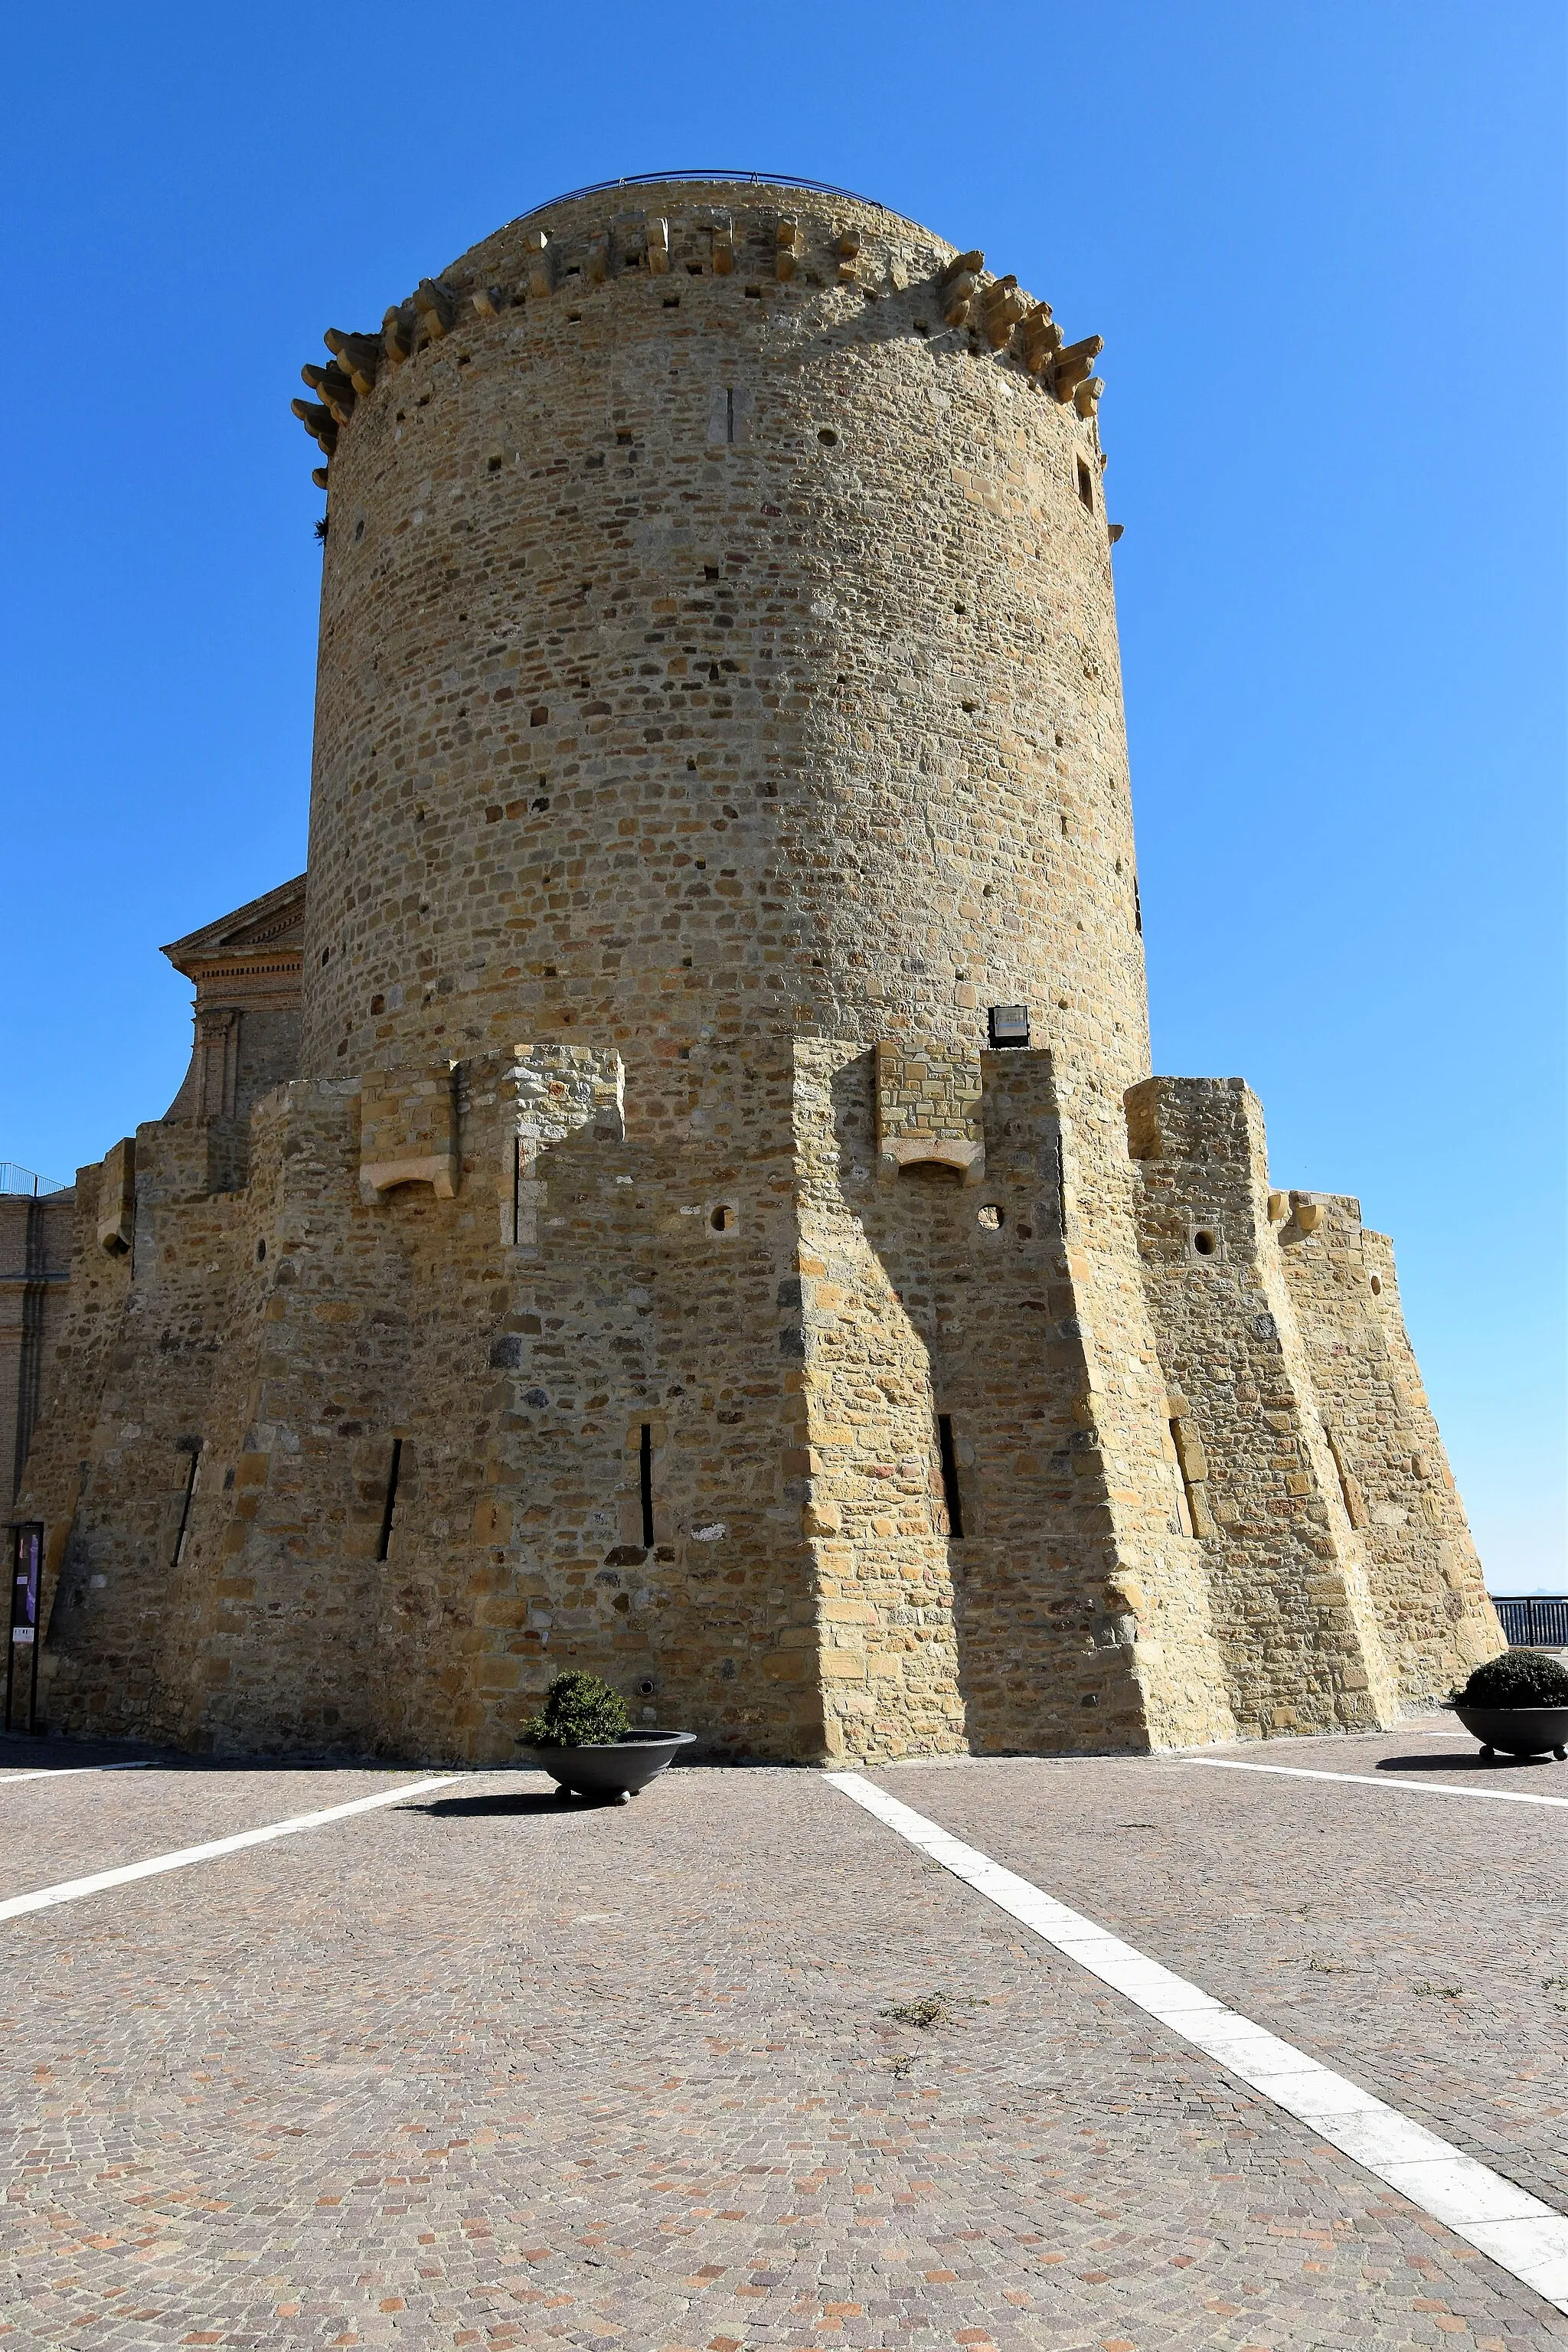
{"x":1325,"y":247}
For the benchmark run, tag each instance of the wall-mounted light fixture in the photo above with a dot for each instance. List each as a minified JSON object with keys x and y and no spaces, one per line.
{"x":1009,"y":1024}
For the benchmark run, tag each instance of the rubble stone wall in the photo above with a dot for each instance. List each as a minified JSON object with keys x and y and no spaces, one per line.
{"x":1425,"y":1578}
{"x":648,"y":1265}
{"x":34,"y":1274}
{"x":671,"y":740}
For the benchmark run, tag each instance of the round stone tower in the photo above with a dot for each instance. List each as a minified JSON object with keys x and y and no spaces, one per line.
{"x":723,"y":1234}
{"x":716,"y":640}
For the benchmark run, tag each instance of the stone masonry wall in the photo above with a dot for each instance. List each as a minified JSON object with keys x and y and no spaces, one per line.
{"x":119,"y":1445}
{"x":1299,"y":1603}
{"x":1426,"y":1581}
{"x":649,"y":1268}
{"x":631,"y":730}
{"x":34,"y":1270}
{"x":515,"y":1378}
{"x":1068,"y":1613}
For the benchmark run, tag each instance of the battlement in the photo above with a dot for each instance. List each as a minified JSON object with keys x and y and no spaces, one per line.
{"x":764,"y":236}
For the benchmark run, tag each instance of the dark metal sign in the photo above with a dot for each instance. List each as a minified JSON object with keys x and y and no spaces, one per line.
{"x":22,"y":1642}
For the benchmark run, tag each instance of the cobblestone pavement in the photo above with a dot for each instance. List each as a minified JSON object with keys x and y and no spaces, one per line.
{"x":53,"y":1830}
{"x":480,"y":2070}
{"x":1418,"y":1944}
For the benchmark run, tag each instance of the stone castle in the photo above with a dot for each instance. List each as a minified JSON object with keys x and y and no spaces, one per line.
{"x":676,"y":1187}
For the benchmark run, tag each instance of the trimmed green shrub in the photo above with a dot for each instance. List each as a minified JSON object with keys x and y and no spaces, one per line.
{"x":1518,"y":1678}
{"x":579,"y":1711}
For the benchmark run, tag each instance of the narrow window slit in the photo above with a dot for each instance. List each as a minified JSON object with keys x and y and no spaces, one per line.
{"x":1185,"y":1512}
{"x":950,"y":1476}
{"x":383,"y":1544}
{"x":1350,"y":1484}
{"x":186,"y":1502}
{"x":1085,"y":485}
{"x":645,"y":1482}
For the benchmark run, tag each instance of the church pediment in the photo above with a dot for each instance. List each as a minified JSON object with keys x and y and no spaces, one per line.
{"x":270,"y":929}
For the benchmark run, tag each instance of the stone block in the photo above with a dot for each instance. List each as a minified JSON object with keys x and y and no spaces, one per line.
{"x":409,"y":1132}
{"x":116,"y":1198}
{"x":928,"y":1110}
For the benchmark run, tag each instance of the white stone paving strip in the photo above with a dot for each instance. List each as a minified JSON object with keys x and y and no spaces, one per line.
{"x":1520,"y":2234}
{"x":72,"y":1890}
{"x":1369,"y":1780}
{"x":65,"y":1772}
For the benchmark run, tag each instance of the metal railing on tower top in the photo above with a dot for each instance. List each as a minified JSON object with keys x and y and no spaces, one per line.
{"x":1533,"y":1621}
{"x":15,"y":1179}
{"x":727,"y":176}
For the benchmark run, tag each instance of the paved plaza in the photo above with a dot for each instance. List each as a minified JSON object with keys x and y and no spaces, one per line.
{"x":736,"y":2068}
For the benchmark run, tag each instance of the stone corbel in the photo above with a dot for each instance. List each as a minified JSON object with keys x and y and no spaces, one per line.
{"x":724,"y":245}
{"x":598,"y":262}
{"x":788,"y":243}
{"x":540,"y":262}
{"x":318,"y":422}
{"x":116,"y":1198}
{"x":1075,"y":364}
{"x":332,"y":388}
{"x":847,"y":248}
{"x":1003,"y":308}
{"x":399,"y":327}
{"x":658,"y":244}
{"x":437,"y":306}
{"x":959,"y":284}
{"x":360,"y":357}
{"x":1041,"y":339}
{"x":489,"y":301}
{"x":1087,"y":398}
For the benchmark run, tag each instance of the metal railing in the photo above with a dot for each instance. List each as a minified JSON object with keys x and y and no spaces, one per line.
{"x":1535,"y":1621}
{"x":16,"y":1178}
{"x":728,"y":176}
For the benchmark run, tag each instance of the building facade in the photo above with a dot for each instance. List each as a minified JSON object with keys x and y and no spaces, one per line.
{"x":677,"y":1188}
{"x":35,"y":1273}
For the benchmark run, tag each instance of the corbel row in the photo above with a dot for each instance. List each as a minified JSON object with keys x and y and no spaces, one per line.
{"x":1003,"y":313}
{"x":999,"y":308}
{"x":359,"y":361}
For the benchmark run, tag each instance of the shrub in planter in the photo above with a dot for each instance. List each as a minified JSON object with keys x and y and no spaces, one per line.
{"x":583,"y":1739}
{"x":1517,"y":1702}
{"x":1518,"y":1678}
{"x":579,"y":1711}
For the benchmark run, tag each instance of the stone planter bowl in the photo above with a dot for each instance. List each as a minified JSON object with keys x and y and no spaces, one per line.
{"x":612,"y":1768}
{"x":1521,"y":1730}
